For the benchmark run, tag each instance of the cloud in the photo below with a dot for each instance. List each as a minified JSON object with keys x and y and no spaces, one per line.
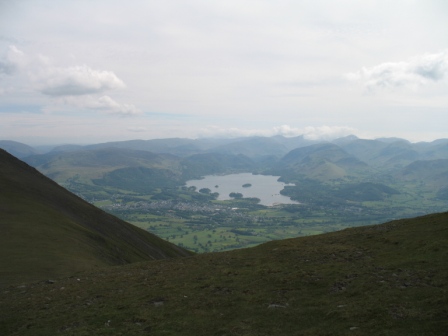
{"x":76,"y":80}
{"x":327,"y":132}
{"x":416,"y":72}
{"x":76,"y":86}
{"x":310,"y":132}
{"x":287,"y":131}
{"x":104,"y":103}
{"x":315,"y":133}
{"x":11,"y":61}
{"x":111,"y":106}
{"x":232,"y":132}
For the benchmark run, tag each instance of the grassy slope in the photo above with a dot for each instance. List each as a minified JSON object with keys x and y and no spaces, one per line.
{"x":48,"y":232}
{"x":389,"y":279}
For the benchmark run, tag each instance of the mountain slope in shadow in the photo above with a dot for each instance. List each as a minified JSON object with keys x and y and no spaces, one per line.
{"x":48,"y":232}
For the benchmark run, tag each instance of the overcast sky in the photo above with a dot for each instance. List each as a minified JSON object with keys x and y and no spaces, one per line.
{"x":79,"y":71}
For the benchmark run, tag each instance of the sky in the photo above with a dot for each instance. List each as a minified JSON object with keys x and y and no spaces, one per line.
{"x":90,"y":71}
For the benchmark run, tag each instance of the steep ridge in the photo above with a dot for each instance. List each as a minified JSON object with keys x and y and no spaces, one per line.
{"x":49,"y":232}
{"x":387,"y":279}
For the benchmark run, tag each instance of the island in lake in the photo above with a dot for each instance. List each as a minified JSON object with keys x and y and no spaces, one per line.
{"x":247,"y":185}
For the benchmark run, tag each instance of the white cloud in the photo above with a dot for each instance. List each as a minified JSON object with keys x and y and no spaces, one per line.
{"x":310,"y":132}
{"x":327,"y":132}
{"x":108,"y":104}
{"x":77,"y":86}
{"x":232,"y":132}
{"x":413,"y":73}
{"x":104,"y":103}
{"x":287,"y":131}
{"x":76,"y":80}
{"x":315,"y":133}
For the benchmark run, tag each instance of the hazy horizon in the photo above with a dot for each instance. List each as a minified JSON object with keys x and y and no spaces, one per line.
{"x":55,"y":144}
{"x":100,"y":71}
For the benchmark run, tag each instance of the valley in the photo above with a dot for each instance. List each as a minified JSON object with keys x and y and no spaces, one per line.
{"x":348,"y":182}
{"x":71,"y":268}
{"x":339,"y":184}
{"x":211,"y":225}
{"x":223,"y":168}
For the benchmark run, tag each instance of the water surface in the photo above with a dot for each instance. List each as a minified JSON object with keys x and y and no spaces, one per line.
{"x":265,"y":187}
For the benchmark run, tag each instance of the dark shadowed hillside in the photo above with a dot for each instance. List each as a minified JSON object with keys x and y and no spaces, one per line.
{"x":49,"y":232}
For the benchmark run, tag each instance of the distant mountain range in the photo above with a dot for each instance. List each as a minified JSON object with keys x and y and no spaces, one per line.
{"x":175,"y":160}
{"x":390,"y":151}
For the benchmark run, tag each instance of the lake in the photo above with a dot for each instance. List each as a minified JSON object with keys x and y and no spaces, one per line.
{"x":265,"y":187}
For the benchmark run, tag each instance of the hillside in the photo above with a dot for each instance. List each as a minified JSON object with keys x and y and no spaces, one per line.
{"x":342,"y":183}
{"x":177,"y":146}
{"x":17,"y":149}
{"x":253,"y":147}
{"x":320,"y":162}
{"x":196,"y":166}
{"x":48,"y":232}
{"x":95,"y":163}
{"x":393,"y":152}
{"x":432,"y":172}
{"x":387,"y":279}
